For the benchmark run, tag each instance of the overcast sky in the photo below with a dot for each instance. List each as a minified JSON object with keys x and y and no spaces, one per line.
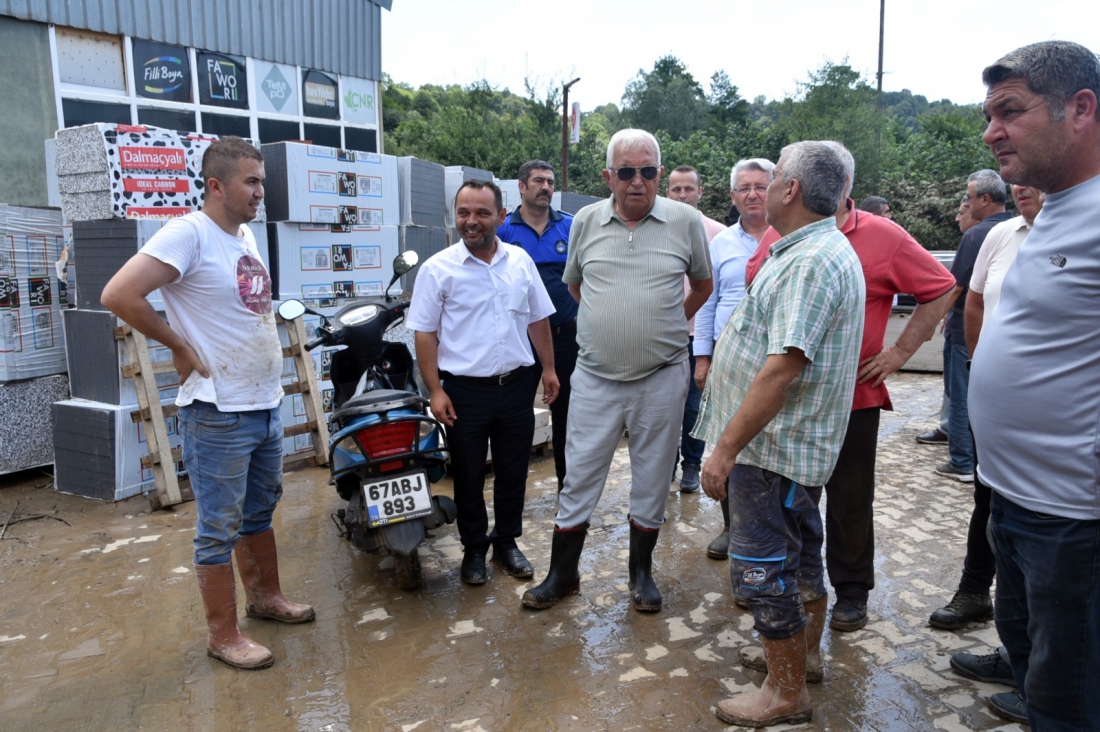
{"x":937,"y":48}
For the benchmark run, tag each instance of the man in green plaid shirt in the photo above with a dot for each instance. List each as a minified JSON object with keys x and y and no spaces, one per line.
{"x":776,"y":409}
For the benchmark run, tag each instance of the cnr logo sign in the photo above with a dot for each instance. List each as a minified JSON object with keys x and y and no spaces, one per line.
{"x":355,"y":101}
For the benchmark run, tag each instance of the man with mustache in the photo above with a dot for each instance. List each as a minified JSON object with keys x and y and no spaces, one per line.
{"x":477,"y":308}
{"x":543,"y":232}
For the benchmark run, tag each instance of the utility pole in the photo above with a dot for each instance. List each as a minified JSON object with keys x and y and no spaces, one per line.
{"x":878,"y":126}
{"x":565,"y":134}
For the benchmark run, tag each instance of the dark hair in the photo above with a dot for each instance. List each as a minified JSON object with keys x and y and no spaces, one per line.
{"x":820,"y":172}
{"x":498,"y":197}
{"x":220,"y":159}
{"x":1055,"y":70}
{"x":873,"y":204}
{"x":525,"y":169}
{"x":689,"y":169}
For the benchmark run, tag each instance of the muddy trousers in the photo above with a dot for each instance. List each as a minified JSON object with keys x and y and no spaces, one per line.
{"x":650,"y":409}
{"x":849,"y":514}
{"x":235,"y":463}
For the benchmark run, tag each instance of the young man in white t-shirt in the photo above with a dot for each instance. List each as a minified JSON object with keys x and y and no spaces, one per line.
{"x":221,"y":330}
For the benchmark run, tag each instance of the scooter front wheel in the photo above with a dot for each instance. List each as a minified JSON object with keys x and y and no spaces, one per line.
{"x":409,"y":574}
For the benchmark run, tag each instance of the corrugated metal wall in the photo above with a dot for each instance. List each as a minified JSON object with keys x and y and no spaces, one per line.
{"x":343,"y":36}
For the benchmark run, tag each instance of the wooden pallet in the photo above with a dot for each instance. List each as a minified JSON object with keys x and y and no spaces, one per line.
{"x":162,"y":459}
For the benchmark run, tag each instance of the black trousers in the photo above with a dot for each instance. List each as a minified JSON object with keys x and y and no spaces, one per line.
{"x":980,"y":566}
{"x":565,"y":360}
{"x":849,"y":515}
{"x":503,"y":416}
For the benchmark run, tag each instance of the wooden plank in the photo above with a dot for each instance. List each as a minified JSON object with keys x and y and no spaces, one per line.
{"x":291,"y":430}
{"x":185,"y":495}
{"x":311,"y":399}
{"x":156,"y":431}
{"x":142,"y":415}
{"x":159,"y":367}
{"x":147,"y":461}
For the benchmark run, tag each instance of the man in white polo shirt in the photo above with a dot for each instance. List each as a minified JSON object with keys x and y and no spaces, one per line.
{"x":473,"y":308}
{"x":627,"y":259}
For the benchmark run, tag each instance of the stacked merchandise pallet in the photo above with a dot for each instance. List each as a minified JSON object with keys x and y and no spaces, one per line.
{"x":32,"y":351}
{"x":423,"y":210}
{"x":333,"y":234}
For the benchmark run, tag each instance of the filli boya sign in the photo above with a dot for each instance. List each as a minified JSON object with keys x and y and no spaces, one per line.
{"x":162,"y":71}
{"x":222,"y":80}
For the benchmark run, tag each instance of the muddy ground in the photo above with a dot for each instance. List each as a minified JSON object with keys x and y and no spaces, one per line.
{"x":101,"y":624}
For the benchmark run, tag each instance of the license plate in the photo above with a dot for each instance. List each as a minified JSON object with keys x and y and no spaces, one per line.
{"x":397,"y":498}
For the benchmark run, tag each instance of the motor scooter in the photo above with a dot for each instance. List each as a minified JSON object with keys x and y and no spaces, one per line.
{"x":385,"y":450}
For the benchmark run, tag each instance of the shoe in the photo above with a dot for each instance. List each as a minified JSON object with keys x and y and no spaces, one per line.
{"x":849,"y":615}
{"x":783,"y":696}
{"x":1009,"y":705}
{"x":473,"y":567}
{"x":513,"y":562}
{"x":992,"y":668}
{"x":740,"y":602}
{"x":564,"y":577}
{"x":644,"y":595}
{"x":948,"y":470}
{"x":225,"y":641}
{"x":753,"y":656}
{"x":935,"y":437}
{"x":258,"y":564}
{"x":689,"y":480}
{"x":720,"y":547}
{"x":963,"y":609}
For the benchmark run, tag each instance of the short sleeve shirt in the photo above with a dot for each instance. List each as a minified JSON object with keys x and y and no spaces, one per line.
{"x":997,"y":254}
{"x":809,"y":295}
{"x":549,"y":252}
{"x":631,"y":320}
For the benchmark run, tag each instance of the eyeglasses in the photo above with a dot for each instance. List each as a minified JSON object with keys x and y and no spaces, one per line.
{"x":746,"y":190}
{"x":649,"y":172}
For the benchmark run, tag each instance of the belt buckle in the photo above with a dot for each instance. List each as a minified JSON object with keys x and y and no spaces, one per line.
{"x":501,"y":380}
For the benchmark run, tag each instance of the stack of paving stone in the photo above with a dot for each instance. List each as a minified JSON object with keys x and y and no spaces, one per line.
{"x":32,"y":351}
{"x":423,"y":210}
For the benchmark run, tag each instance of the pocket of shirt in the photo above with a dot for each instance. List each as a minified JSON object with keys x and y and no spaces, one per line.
{"x":516,"y":301}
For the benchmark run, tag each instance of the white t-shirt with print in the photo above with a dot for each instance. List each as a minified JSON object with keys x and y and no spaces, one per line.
{"x":221,"y":305}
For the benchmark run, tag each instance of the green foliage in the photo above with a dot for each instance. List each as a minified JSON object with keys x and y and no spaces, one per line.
{"x":916,"y":153}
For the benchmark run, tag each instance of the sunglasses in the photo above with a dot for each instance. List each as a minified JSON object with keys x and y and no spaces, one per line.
{"x":649,"y":172}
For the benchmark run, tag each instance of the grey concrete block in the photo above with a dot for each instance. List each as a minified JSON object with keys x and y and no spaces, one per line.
{"x":571,"y":203}
{"x":26,"y":438}
{"x":423,"y":192}
{"x":425,"y":241}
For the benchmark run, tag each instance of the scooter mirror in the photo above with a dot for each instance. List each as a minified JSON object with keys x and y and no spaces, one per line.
{"x":291,"y":309}
{"x":405,"y":261}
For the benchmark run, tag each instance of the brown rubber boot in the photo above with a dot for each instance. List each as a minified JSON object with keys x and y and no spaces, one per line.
{"x":225,"y":641}
{"x":258,"y":563}
{"x":753,"y":656}
{"x":783,"y":697}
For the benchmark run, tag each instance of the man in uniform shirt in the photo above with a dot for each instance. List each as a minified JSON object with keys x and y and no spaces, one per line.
{"x":543,"y":233}
{"x":477,"y":307}
{"x":627,"y":259}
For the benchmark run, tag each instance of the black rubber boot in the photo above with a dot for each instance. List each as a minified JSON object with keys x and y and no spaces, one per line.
{"x":644,"y":595}
{"x":564,"y":577}
{"x":720,"y":547}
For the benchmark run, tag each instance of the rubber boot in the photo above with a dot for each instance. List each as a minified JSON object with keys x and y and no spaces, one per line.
{"x":753,"y":656}
{"x":564,"y":577}
{"x":225,"y":640}
{"x":783,"y":697}
{"x":644,"y":595}
{"x":720,"y":547}
{"x":258,"y":563}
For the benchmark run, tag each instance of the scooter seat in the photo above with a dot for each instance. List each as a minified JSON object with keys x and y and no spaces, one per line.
{"x":377,"y":400}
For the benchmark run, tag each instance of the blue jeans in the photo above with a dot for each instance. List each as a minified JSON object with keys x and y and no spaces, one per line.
{"x":235,"y":462}
{"x":1048,"y":612}
{"x":775,"y":546}
{"x":691,"y":448}
{"x":956,"y":382}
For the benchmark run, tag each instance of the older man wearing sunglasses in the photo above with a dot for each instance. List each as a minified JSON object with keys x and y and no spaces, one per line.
{"x":627,"y":260}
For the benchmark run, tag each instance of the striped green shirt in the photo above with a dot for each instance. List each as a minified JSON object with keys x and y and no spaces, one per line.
{"x":809,"y":295}
{"x":631,"y":320}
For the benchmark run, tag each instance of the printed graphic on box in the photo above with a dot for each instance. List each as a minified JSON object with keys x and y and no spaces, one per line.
{"x":369,"y":289}
{"x":9,"y":292}
{"x":327,"y":396}
{"x":36,"y":255}
{"x":341,"y":257}
{"x":43,"y":327}
{"x":38,"y":291}
{"x":370,"y":186}
{"x":316,"y":258}
{"x":326,"y":365}
{"x":368,"y":257}
{"x":11,"y":338}
{"x":322,"y":181}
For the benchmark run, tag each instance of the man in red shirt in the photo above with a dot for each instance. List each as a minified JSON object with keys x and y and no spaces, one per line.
{"x":893,"y":263}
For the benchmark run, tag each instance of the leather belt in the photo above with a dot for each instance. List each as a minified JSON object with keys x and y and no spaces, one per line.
{"x":498,"y":380}
{"x":571,"y":325}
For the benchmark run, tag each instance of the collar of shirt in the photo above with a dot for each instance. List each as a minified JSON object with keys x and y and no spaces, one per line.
{"x":467,"y":255}
{"x":790,"y":240}
{"x":516,"y":219}
{"x":659,"y":211}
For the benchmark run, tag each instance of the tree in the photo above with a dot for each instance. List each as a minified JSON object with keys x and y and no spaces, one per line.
{"x":667,"y":98}
{"x":726,"y":105}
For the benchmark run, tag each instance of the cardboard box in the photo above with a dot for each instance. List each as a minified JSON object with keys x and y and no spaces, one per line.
{"x":26,"y":439}
{"x":329,"y":266}
{"x":31,"y":295}
{"x":423,"y":197}
{"x":98,"y":450}
{"x":325,"y":185}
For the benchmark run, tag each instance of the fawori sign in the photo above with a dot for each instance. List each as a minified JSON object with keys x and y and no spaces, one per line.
{"x":162,"y":71}
{"x":223,"y":80}
{"x":359,"y":101}
{"x":320,"y":94}
{"x":277,"y":88}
